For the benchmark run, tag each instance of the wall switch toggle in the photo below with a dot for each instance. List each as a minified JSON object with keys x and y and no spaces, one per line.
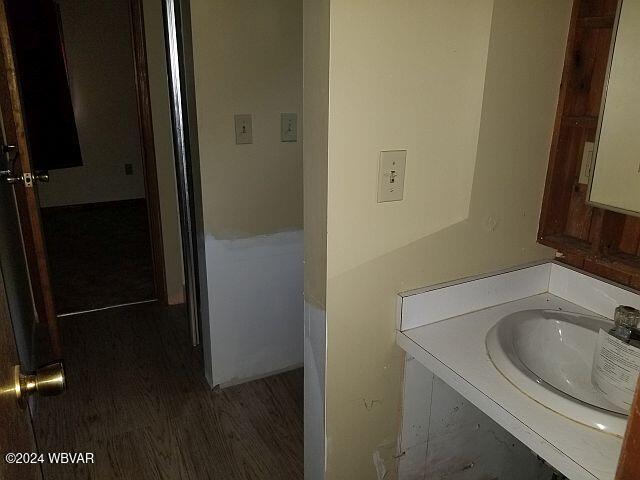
{"x":288,"y":127}
{"x":244,"y":129}
{"x":391,"y":175}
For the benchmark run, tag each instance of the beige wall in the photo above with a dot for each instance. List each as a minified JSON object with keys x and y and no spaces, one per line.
{"x":316,"y":118}
{"x":165,"y":165}
{"x":315,"y":153}
{"x":470,"y":90}
{"x":100,"y":64}
{"x":402,"y":78}
{"x":248,"y":59}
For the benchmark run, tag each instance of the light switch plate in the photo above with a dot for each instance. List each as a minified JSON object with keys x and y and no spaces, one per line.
{"x":391,"y":175}
{"x":587,"y":162}
{"x":289,"y":127}
{"x":244,"y":128}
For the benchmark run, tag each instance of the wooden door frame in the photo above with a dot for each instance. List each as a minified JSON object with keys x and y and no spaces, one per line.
{"x":145,"y":122}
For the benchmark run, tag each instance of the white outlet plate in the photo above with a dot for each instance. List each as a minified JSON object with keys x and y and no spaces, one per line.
{"x":391,"y":175}
{"x":244,"y":129}
{"x":587,"y":162}
{"x":289,"y":127}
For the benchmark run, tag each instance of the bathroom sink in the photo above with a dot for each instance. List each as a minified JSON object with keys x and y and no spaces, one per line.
{"x":548,"y":354}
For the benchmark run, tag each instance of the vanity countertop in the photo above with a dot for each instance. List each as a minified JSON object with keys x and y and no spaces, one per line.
{"x":454,"y":349}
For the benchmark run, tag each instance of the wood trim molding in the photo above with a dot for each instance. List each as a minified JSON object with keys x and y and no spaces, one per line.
{"x":629,"y":462}
{"x":599,"y":241}
{"x":548,"y":220}
{"x":148,"y":147}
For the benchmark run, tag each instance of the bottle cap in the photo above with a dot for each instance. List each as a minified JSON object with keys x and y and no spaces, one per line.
{"x":627,"y":316}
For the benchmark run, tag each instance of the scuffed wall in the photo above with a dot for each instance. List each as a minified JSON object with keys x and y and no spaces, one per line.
{"x":470,"y":90}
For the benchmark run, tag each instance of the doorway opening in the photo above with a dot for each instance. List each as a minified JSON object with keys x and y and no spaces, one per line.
{"x":137,"y":397}
{"x":98,"y":196}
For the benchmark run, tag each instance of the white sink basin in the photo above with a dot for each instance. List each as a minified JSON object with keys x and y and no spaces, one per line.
{"x":548,"y":355}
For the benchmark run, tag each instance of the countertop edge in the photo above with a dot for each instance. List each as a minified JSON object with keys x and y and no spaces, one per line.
{"x":529,"y":437}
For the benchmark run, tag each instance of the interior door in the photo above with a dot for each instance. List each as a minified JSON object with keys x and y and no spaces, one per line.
{"x":16,"y":431}
{"x":18,"y":173}
{"x":17,"y":337}
{"x":38,"y":47}
{"x":18,"y":349}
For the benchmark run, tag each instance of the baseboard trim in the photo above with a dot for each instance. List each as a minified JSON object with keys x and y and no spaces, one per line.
{"x":239,"y":381}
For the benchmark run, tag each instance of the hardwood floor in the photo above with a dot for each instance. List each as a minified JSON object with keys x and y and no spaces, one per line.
{"x":99,"y":254}
{"x":136,"y":398}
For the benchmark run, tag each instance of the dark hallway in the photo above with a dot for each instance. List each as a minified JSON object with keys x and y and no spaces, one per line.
{"x":138,"y":401}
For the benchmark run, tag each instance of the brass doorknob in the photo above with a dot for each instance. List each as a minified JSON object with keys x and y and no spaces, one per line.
{"x":41,"y":176}
{"x":47,"y":380}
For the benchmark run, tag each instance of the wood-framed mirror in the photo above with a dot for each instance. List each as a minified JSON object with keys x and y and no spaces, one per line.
{"x":599,"y":240}
{"x":615,"y":172}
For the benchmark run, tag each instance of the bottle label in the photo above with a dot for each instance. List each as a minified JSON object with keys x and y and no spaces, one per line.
{"x":616,"y":365}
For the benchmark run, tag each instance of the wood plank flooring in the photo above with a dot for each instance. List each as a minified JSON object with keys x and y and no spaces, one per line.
{"x":99,"y":254}
{"x":136,"y":398}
